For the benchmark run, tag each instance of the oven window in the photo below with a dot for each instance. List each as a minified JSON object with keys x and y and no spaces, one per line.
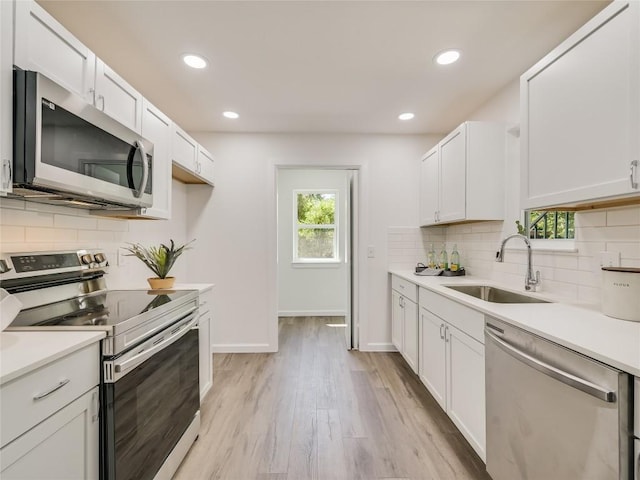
{"x":71,"y":143}
{"x":152,"y":407}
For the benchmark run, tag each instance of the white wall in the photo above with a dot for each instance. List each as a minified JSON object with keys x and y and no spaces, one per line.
{"x":28,"y":226}
{"x":311,"y":289}
{"x":238,"y":222}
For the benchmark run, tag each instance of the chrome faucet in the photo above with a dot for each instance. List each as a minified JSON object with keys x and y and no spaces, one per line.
{"x":530,"y":281}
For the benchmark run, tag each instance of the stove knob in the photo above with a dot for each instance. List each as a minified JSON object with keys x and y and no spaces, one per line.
{"x":86,"y":258}
{"x":99,"y":257}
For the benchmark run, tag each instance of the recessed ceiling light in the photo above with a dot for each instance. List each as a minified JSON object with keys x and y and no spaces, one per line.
{"x":232,"y":115}
{"x":194,"y":61}
{"x":406,"y":116}
{"x":447,"y":57}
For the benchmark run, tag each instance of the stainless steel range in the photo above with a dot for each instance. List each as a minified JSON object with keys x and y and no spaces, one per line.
{"x":149,"y":389}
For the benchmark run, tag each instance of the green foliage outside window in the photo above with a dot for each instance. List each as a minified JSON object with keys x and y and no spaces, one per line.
{"x":550,"y":225}
{"x":316,"y":225}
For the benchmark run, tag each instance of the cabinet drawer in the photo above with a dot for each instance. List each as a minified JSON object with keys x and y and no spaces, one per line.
{"x":464,"y":318}
{"x":20,"y":410}
{"x":404,"y":287}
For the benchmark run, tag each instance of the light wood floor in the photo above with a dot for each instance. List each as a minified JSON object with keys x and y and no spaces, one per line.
{"x":317,"y":411}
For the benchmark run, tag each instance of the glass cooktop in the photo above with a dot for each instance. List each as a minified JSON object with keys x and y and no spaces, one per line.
{"x":100,"y":309}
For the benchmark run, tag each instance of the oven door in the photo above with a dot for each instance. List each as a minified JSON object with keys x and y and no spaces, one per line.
{"x":149,"y":402}
{"x":65,"y":144}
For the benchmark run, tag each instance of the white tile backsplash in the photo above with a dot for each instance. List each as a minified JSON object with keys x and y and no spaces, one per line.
{"x":572,"y":275}
{"x":30,"y":226}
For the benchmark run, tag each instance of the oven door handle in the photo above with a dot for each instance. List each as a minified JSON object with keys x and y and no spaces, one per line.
{"x":553,"y":372}
{"x":175,"y":333}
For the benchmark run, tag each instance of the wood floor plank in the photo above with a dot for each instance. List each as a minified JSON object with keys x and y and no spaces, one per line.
{"x":317,"y":411}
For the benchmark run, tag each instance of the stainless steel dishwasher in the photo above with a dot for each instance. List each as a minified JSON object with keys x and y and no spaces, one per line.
{"x":552,"y":413}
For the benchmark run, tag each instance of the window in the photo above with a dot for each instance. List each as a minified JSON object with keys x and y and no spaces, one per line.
{"x":315,"y":226}
{"x":549,"y":225}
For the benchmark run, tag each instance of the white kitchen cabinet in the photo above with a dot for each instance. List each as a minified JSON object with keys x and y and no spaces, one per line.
{"x":204,"y":339}
{"x":580,"y":115}
{"x":465,"y":387}
{"x":6,"y":96}
{"x":50,"y":419}
{"x":43,"y":45}
{"x":192,"y":163}
{"x":433,"y":356}
{"x":462,"y":178}
{"x":115,"y":97}
{"x":205,"y":165}
{"x":65,"y":445}
{"x":404,"y":320}
{"x":157,"y":128}
{"x":452,"y":364}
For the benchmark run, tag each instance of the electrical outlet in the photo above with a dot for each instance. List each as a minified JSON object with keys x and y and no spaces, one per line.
{"x":371,"y":252}
{"x":609,"y":259}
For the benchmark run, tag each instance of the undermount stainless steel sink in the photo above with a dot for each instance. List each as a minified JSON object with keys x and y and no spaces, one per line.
{"x":494,"y":295}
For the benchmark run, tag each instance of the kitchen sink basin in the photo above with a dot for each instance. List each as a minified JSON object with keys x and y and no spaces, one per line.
{"x":494,"y":295}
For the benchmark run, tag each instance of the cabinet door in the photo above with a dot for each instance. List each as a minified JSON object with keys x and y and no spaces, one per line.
{"x":205,"y":353}
{"x":115,"y":97}
{"x":397,"y":320}
{"x":410,"y":334}
{"x":453,"y":176}
{"x":432,"y":355}
{"x":580,"y":113}
{"x":65,"y":445}
{"x":156,"y":127}
{"x":466,"y":391}
{"x":184,"y":149}
{"x":429,"y":188}
{"x":6,"y":92}
{"x":44,"y":45}
{"x":205,"y":165}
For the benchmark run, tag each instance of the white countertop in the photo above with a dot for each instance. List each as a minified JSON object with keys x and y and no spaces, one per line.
{"x":22,"y":352}
{"x":202,"y":287}
{"x":583,"y":329}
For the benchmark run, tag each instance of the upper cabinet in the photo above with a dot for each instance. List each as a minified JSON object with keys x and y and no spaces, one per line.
{"x":462,"y":178}
{"x":580,"y":108}
{"x":6,"y":94}
{"x":44,"y":45}
{"x":157,"y":128}
{"x":192,"y":163}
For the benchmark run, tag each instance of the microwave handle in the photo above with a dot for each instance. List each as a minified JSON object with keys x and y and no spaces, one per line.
{"x":138,"y":192}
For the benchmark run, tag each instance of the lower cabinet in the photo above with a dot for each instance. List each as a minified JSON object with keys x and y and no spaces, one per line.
{"x":50,"y":420}
{"x":65,"y":445}
{"x":404,"y":320}
{"x":204,"y":339}
{"x":452,"y":369}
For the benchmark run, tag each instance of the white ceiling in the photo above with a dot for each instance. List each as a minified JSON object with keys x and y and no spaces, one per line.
{"x":321,"y":66}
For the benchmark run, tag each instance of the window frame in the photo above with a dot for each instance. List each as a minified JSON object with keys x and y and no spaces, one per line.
{"x":336,"y":259}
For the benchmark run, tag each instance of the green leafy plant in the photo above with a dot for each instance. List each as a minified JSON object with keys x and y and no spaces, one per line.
{"x":158,"y":259}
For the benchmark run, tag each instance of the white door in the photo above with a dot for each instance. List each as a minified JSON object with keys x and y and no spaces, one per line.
{"x":410,"y":334}
{"x":429,"y":187}
{"x":453,"y":157}
{"x":397,"y":320}
{"x":314,"y":252}
{"x":466,"y":390}
{"x":432,"y":355}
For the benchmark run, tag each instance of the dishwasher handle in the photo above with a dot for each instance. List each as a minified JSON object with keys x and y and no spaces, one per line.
{"x":560,"y":375}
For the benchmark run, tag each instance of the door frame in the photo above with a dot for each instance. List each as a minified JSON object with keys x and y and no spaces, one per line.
{"x":358,"y":264}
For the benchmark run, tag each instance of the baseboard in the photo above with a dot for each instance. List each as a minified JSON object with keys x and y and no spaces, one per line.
{"x":312,"y":313}
{"x":242,"y":348}
{"x":378,"y":347}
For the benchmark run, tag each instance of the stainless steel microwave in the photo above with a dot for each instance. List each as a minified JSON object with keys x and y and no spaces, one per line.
{"x":68,"y":152}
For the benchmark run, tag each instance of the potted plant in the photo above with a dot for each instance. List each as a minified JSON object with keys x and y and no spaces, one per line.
{"x":160,"y":260}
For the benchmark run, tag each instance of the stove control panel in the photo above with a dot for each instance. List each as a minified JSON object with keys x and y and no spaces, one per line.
{"x":39,"y":263}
